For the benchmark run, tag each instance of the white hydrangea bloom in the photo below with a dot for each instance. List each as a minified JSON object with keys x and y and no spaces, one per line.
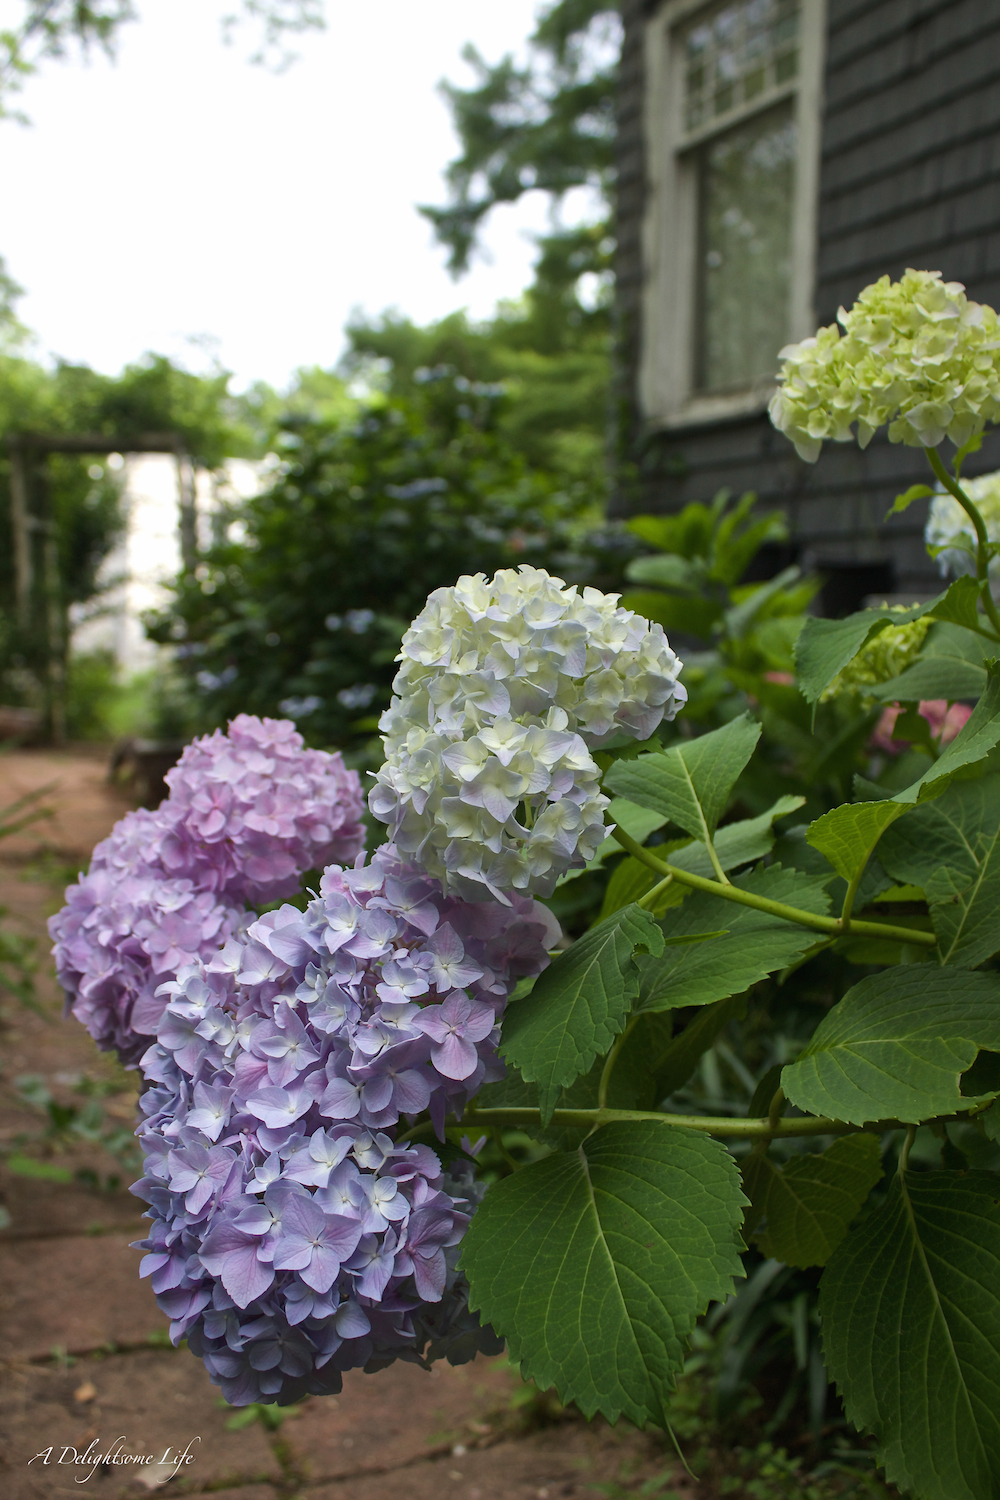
{"x":915,"y":354}
{"x":488,"y":780}
{"x":950,"y":534}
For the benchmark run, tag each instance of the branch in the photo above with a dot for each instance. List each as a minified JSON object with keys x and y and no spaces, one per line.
{"x":776,"y":908}
{"x":746,"y":1129}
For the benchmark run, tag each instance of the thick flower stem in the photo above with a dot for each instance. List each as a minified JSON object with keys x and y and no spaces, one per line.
{"x":609,"y":1063}
{"x":776,"y":908}
{"x":746,"y":1129}
{"x":953,"y":487}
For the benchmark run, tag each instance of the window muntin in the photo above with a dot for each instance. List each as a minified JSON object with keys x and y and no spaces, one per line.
{"x":745,"y":188}
{"x":735,"y":53}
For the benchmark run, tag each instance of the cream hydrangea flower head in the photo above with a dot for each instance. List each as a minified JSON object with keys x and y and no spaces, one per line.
{"x":950,"y":534}
{"x":503,"y":685}
{"x":887,"y":655}
{"x":915,"y":354}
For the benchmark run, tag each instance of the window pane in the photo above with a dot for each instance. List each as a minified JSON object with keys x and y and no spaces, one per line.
{"x":746,"y":178}
{"x":736,"y":51}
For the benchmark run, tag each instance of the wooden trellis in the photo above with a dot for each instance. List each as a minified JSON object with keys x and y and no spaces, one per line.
{"x":37,"y":585}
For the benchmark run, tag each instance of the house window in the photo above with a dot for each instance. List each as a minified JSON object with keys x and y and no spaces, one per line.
{"x":735,"y":54}
{"x":745,"y":183}
{"x":733,"y":133}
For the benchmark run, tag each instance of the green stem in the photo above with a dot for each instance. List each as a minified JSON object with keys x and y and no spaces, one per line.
{"x":953,"y":487}
{"x":747,"y":1129}
{"x":849,"y":895}
{"x":720,"y":873}
{"x":904,"y":1155}
{"x":774,"y":908}
{"x":648,"y":901}
{"x":776,"y":1106}
{"x":609,"y":1064}
{"x":514,"y":1165}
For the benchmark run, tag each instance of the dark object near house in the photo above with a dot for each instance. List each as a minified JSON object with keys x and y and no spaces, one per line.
{"x":777,"y":156}
{"x":139,"y":766}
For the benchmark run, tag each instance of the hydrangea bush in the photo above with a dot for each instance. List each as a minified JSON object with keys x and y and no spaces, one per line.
{"x":294,"y":1235}
{"x":302,"y":1221}
{"x":248,"y":813}
{"x":504,"y":688}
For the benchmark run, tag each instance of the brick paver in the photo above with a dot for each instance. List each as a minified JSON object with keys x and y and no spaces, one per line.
{"x":400,"y":1415}
{"x":77,"y":1293}
{"x":153,"y":1405}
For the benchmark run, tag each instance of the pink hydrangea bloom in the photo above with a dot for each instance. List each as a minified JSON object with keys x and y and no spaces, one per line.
{"x":257,"y":809}
{"x":945,"y":722}
{"x":248,"y":813}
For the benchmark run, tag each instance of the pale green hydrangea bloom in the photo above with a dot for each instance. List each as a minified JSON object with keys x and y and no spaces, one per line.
{"x":950,"y":534}
{"x":915,"y":354}
{"x":893,"y":650}
{"x":503,"y":689}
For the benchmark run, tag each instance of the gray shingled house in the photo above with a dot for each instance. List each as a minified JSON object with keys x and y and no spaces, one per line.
{"x":776,"y":156}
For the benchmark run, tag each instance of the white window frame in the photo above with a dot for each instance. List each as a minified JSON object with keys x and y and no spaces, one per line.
{"x":670,"y":225}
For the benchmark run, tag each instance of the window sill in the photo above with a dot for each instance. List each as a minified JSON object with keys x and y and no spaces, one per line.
{"x":710,"y":411}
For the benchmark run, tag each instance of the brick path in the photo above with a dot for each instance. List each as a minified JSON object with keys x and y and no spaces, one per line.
{"x":85,"y":1367}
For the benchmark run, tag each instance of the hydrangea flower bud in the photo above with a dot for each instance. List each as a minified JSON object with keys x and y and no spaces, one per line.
{"x":248,"y":813}
{"x":950,"y":534}
{"x":915,"y":354}
{"x":504,"y":688}
{"x":294,"y":1236}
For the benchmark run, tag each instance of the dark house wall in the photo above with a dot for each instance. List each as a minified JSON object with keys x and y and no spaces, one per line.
{"x":910,"y":176}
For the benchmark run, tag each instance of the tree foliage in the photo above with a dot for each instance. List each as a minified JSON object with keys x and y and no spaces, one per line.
{"x":547,"y":126}
{"x":55,"y":28}
{"x":304,"y":603}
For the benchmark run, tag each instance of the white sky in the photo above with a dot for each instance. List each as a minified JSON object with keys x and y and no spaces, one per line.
{"x":181,"y":192}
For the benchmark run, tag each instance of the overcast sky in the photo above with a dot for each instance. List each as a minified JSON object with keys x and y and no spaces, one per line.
{"x":181,"y":192}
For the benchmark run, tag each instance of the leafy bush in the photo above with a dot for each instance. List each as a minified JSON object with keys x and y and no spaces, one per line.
{"x":300,"y":611}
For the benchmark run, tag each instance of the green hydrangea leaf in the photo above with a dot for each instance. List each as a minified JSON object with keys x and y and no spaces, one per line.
{"x":691,"y":782}
{"x":594,"y":1264}
{"x":693,"y":613}
{"x":579,"y":1004}
{"x":810,"y":1202}
{"x":680,"y":1059}
{"x":968,"y":749}
{"x":847,"y":835}
{"x":947,"y":677}
{"x":951,"y":849}
{"x":824,"y":647}
{"x":753,"y":945}
{"x":910,"y":1304}
{"x":736,"y":844}
{"x":668,"y":571}
{"x":904,"y":501}
{"x":896,"y":1046}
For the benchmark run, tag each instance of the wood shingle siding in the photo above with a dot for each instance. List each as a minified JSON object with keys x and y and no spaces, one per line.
{"x":909,"y":176}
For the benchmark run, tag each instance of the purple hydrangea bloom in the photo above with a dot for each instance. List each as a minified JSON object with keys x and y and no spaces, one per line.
{"x":248,"y":813}
{"x":293,"y":1235}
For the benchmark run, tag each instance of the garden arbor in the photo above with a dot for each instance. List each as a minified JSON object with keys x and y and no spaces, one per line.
{"x":40,"y":606}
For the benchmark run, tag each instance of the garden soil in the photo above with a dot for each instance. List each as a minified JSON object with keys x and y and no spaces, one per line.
{"x":93,"y":1399}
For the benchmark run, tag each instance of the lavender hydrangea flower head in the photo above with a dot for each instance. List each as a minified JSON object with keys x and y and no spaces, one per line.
{"x":293,"y":1235}
{"x":248,"y":813}
{"x":503,"y":689}
{"x":256,"y":809}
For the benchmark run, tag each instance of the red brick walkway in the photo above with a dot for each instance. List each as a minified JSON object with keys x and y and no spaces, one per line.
{"x":86,"y":1372}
